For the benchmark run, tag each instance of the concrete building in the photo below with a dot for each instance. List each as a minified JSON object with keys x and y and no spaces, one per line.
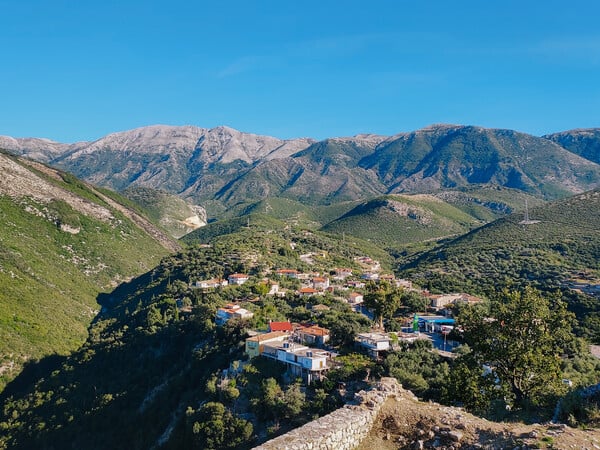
{"x":373,"y":343}
{"x":231,"y":311}
{"x":255,"y":344}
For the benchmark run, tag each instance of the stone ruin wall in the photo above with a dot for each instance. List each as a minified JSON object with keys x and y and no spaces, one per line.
{"x":343,"y":429}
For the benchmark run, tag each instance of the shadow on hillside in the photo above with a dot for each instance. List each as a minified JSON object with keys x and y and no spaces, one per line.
{"x":35,"y":370}
{"x":123,"y":291}
{"x":32,"y":372}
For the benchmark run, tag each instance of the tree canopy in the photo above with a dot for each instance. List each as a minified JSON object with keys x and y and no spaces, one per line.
{"x":515,"y":349}
{"x":383,"y":299}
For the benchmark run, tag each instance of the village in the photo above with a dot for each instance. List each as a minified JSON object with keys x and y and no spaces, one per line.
{"x":304,"y":347}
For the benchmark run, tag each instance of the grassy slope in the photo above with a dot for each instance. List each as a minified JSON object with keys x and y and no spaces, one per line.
{"x":488,"y":202}
{"x":50,"y":279}
{"x":398,"y":220}
{"x":278,"y":234}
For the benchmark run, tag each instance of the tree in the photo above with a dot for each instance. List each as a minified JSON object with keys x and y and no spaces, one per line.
{"x":521,"y":341}
{"x":215,"y":427}
{"x":382,"y":299}
{"x":414,"y":302}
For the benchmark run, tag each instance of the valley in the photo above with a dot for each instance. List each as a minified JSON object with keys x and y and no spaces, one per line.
{"x":138,"y":307}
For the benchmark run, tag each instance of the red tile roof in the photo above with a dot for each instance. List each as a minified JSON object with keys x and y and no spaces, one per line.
{"x":315,"y":331}
{"x":280,"y":326}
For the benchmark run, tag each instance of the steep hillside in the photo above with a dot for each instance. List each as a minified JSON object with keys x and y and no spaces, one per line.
{"x":448,"y":156}
{"x":392,"y":221}
{"x":488,"y":202}
{"x":154,"y":356}
{"x":558,"y":249}
{"x":323,"y":173}
{"x":62,"y":244}
{"x":582,"y":142}
{"x":174,"y":214}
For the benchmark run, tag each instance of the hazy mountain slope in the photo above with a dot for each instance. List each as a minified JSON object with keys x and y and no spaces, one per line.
{"x":174,"y":214}
{"x":169,"y":157}
{"x":61,"y":244}
{"x":583,"y":142}
{"x":39,"y":149}
{"x":447,"y":156}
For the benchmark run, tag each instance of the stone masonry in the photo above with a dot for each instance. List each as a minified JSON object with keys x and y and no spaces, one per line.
{"x":343,"y":429}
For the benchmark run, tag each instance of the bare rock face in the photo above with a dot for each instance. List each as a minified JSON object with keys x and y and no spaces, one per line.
{"x":225,"y":145}
{"x":155,"y":139}
{"x":39,"y":149}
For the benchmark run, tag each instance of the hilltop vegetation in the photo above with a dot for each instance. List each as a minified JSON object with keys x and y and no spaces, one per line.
{"x":562,"y":244}
{"x":151,"y":360}
{"x":393,"y":221}
{"x":62,"y":245}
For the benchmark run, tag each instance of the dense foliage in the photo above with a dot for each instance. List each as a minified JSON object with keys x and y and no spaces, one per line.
{"x":560,"y":248}
{"x":515,"y":350}
{"x":54,"y":262}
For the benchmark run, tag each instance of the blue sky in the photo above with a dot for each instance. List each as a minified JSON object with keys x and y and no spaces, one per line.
{"x":77,"y":70}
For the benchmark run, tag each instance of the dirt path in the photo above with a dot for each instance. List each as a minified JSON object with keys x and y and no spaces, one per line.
{"x":406,"y":423}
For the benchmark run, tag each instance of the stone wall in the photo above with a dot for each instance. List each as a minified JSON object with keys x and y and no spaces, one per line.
{"x":343,"y":429}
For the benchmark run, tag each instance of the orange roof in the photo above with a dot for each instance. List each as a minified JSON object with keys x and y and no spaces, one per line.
{"x":280,"y":326}
{"x":319,"y":279}
{"x":238,"y":275}
{"x":308,"y":290}
{"x":315,"y":330}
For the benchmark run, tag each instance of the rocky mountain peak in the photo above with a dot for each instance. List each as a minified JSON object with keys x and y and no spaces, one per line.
{"x":225,"y":145}
{"x":151,"y":139}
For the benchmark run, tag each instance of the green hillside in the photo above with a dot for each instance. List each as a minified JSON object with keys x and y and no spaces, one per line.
{"x":55,"y":260}
{"x":396,"y":220}
{"x":584,"y":142}
{"x":259,"y":230}
{"x":488,"y":202}
{"x":449,"y":156}
{"x":149,"y":366}
{"x":172,"y":213}
{"x":562,"y":244}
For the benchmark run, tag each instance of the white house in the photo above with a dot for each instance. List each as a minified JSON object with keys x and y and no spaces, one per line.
{"x":374,"y":343}
{"x":355,"y":298}
{"x":320,"y":283}
{"x":211,"y":284}
{"x":238,"y":278}
{"x":342,"y":273}
{"x":308,"y":363}
{"x":231,"y":311}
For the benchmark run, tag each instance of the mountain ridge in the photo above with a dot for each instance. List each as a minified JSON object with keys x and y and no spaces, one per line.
{"x":224,"y":168}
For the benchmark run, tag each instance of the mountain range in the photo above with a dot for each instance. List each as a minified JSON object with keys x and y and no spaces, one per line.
{"x":223,"y":169}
